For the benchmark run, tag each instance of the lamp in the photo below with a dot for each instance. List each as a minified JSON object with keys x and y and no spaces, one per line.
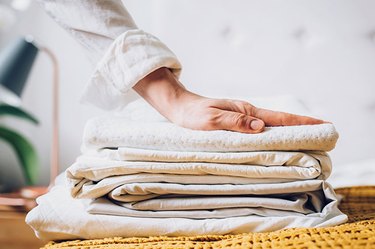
{"x":16,"y":61}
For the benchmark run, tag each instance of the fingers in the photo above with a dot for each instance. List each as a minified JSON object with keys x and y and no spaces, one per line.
{"x":273,"y":118}
{"x":270,"y":118}
{"x":239,"y":122}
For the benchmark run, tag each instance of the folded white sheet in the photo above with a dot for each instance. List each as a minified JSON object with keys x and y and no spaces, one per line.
{"x":116,"y":132}
{"x":58,"y":216}
{"x":140,"y":186}
{"x":256,"y":165}
{"x":208,"y":207}
{"x":139,"y":178}
{"x":265,"y":158}
{"x":170,"y":198}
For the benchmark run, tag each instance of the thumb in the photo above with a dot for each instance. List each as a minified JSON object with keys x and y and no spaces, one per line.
{"x":234,"y":121}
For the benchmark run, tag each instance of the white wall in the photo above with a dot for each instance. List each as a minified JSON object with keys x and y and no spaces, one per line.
{"x":320,"y":51}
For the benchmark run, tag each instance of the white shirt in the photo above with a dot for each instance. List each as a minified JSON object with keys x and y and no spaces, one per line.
{"x":123,"y":53}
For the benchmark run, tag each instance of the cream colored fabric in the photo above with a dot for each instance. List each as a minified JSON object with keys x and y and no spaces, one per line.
{"x":139,"y":180}
{"x":123,"y":53}
{"x":58,"y":216}
{"x":159,"y":170}
{"x":259,"y":191}
{"x":188,"y":199}
{"x":145,"y":178}
{"x":88,"y":172}
{"x":266,"y":158}
{"x":131,"y":57}
{"x":115,"y":132}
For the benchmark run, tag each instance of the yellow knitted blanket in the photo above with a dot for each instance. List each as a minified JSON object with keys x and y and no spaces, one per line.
{"x":359,"y":232}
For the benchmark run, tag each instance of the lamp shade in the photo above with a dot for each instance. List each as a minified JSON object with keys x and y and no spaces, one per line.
{"x":16,"y":61}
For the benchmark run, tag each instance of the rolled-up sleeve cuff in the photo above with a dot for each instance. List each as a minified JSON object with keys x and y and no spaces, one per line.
{"x":131,"y":57}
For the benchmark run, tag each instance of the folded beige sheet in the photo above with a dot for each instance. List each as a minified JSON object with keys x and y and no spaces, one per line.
{"x":58,"y":216}
{"x":102,"y":132}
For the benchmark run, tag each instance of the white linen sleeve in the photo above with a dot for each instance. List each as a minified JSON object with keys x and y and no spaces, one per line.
{"x":123,"y":54}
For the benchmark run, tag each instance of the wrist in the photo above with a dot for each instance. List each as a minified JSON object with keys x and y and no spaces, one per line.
{"x":164,"y":92}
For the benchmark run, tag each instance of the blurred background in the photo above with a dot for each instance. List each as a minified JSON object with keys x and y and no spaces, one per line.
{"x":322,"y":52}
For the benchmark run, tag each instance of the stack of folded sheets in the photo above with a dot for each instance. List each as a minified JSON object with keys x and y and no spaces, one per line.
{"x":154,"y":178}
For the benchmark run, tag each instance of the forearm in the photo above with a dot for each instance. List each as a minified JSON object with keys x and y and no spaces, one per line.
{"x":123,"y":54}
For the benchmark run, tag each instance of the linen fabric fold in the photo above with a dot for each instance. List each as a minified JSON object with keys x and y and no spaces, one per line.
{"x":59,"y":216}
{"x":148,"y":183}
{"x":199,"y":201}
{"x":136,"y":178}
{"x":104,"y":132}
{"x":255,"y":165}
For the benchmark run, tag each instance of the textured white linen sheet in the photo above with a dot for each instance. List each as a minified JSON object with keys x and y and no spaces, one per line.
{"x":58,"y":216}
{"x":93,"y":177}
{"x":153,"y":186}
{"x":102,"y":132}
{"x":257,"y":165}
{"x":265,"y":158}
{"x":199,"y":201}
{"x":142,"y":178}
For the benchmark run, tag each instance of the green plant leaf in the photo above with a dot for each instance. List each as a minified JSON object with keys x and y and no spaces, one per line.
{"x":17,"y":112}
{"x":25,"y":151}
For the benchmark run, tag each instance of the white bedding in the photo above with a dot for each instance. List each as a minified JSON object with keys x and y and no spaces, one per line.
{"x":58,"y":216}
{"x":138,"y":178}
{"x":261,"y":165}
{"x":197,"y":201}
{"x":102,"y":132}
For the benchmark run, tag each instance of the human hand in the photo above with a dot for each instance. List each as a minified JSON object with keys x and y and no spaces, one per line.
{"x":184,"y":108}
{"x":201,"y":113}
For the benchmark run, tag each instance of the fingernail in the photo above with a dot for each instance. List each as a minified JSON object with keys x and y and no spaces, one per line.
{"x":256,"y":124}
